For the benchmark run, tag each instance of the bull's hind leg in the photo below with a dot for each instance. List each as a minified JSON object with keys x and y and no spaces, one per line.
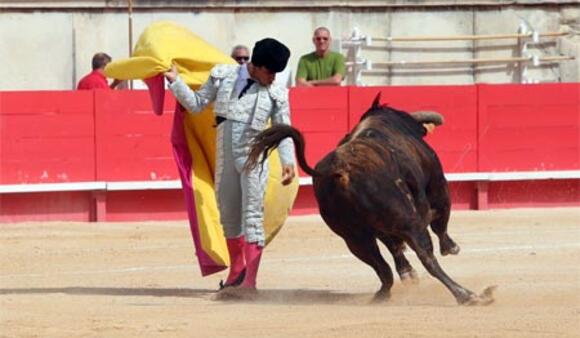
{"x":438,"y":195}
{"x":420,"y":242}
{"x":397,"y":248}
{"x":365,"y":248}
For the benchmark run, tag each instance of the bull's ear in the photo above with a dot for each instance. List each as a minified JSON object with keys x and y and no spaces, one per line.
{"x":377,"y":101}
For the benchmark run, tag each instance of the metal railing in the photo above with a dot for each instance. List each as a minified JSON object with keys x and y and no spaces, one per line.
{"x":358,"y":65}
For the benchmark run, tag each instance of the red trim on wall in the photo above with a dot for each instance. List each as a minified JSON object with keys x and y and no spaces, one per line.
{"x":546,"y":193}
{"x":153,"y":205}
{"x":55,"y":206}
{"x":145,"y":205}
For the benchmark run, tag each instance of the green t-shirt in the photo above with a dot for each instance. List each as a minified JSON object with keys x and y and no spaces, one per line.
{"x":313,"y":67}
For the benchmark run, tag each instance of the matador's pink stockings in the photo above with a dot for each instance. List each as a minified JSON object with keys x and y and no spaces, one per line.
{"x":237,"y":262}
{"x":252,"y":253}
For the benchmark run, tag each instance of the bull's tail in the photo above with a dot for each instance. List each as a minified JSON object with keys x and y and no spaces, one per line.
{"x":268,"y":140}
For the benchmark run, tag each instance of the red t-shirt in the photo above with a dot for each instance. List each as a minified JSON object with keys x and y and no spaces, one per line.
{"x":93,"y":80}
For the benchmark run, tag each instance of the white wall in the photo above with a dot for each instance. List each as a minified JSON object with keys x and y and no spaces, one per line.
{"x":50,"y":49}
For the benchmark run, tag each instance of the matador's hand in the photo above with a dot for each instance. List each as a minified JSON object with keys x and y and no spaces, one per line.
{"x":288,"y":174}
{"x":171,"y":75}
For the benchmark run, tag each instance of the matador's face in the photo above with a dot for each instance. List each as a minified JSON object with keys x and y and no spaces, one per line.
{"x":263,"y":75}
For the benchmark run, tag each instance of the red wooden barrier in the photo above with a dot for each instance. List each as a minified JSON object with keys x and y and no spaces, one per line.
{"x":145,"y":205}
{"x":321,"y":114}
{"x":55,"y":206}
{"x":456,"y":141}
{"x":529,"y":128}
{"x":54,"y":137}
{"x":133,"y":144}
{"x":46,"y":137}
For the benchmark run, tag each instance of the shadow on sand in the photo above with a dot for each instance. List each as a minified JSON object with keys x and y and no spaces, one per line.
{"x":153,"y":292}
{"x":295,"y":296}
{"x":269,"y":296}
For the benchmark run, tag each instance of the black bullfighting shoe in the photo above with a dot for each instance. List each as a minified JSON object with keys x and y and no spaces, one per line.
{"x":236,"y":282}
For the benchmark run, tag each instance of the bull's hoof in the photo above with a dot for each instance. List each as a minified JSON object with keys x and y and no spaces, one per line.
{"x":409,"y":277}
{"x":381,"y":296}
{"x":448,"y":246}
{"x":485,"y":298}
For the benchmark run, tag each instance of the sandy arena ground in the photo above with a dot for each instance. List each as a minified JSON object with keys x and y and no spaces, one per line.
{"x":141,"y":280}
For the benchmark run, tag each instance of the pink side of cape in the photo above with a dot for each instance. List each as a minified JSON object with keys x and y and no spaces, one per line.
{"x":184,"y":161}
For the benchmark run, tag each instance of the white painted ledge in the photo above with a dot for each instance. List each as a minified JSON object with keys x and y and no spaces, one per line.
{"x":498,"y":176}
{"x":303,"y":181}
{"x":144,"y":185}
{"x":52,"y":187}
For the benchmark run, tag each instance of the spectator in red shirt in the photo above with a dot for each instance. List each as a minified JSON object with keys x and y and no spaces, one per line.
{"x":96,"y":79}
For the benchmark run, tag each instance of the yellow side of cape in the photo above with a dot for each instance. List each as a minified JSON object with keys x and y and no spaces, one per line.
{"x":162,"y":44}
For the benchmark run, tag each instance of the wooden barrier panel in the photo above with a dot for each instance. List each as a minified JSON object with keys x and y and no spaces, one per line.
{"x":133,"y":144}
{"x":321,"y":114}
{"x":74,"y":206}
{"x":46,"y":137}
{"x":145,"y":205}
{"x":529,"y":127}
{"x":456,"y":141}
{"x":106,"y":149}
{"x":534,"y":194}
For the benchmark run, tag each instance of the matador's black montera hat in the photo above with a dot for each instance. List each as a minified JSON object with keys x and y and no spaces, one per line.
{"x":271,"y":54}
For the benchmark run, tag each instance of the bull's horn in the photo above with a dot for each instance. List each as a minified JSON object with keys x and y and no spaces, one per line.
{"x":428,"y":117}
{"x":377,"y":101}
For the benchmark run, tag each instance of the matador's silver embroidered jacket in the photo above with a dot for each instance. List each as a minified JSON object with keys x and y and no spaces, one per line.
{"x":255,"y":108}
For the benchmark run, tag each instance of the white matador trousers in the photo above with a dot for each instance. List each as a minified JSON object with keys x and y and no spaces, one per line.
{"x":240,"y":193}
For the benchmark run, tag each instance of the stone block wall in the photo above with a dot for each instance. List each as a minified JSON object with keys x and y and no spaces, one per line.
{"x":48,"y":45}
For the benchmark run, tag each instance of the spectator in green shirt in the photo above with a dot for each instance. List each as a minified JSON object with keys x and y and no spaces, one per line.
{"x":322,"y":67}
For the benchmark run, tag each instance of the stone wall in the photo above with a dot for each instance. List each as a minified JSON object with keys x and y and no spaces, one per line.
{"x":48,"y":44}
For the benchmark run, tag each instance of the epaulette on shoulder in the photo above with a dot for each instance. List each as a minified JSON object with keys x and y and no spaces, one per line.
{"x":222,"y":71}
{"x":278,"y":93}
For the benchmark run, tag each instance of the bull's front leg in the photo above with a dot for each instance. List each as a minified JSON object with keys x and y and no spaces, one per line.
{"x":439,"y":226}
{"x":440,"y":209}
{"x":420,"y":242}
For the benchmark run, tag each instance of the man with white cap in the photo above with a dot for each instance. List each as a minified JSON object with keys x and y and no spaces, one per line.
{"x":245,"y":99}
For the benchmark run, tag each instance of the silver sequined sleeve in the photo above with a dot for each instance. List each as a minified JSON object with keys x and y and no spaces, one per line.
{"x":194,"y":101}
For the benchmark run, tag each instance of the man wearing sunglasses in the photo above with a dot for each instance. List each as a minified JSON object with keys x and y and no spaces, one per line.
{"x":322,"y":67}
{"x":241,"y":54}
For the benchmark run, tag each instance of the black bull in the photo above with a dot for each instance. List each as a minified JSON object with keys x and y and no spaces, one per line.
{"x":383,"y":182}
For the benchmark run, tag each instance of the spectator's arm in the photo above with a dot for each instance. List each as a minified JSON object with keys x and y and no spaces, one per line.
{"x":301,"y":75}
{"x":334,"y":80}
{"x":301,"y":82}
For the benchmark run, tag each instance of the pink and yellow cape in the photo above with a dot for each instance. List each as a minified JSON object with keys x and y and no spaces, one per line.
{"x":193,"y":136}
